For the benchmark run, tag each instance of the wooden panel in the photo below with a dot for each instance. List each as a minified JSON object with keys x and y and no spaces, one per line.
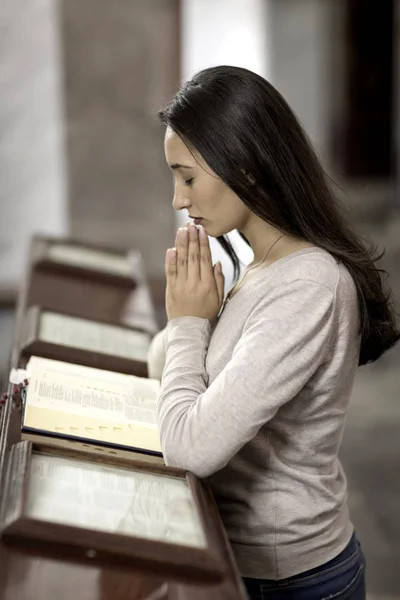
{"x":67,"y":540}
{"x":28,"y":577}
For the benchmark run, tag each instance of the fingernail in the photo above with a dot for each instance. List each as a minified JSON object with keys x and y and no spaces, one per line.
{"x":183,"y":233}
{"x":202,"y":231}
{"x":172,"y":255}
{"x":219,"y":266}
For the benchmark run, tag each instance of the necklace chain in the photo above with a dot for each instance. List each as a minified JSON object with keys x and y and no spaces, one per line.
{"x":239,"y":283}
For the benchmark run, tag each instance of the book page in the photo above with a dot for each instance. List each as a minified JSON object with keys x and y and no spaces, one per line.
{"x":94,"y":336}
{"x":85,"y":402}
{"x":89,"y":258}
{"x":113,"y":499}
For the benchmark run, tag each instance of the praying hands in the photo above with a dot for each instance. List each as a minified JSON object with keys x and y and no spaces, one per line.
{"x":194,"y":287}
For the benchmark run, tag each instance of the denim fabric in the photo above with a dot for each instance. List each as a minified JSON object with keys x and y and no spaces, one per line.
{"x":342,"y":578}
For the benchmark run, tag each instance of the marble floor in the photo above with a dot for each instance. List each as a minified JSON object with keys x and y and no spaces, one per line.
{"x":371,"y":445}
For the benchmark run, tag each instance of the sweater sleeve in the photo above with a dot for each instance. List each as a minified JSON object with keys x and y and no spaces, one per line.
{"x":156,"y":355}
{"x":282,"y":345}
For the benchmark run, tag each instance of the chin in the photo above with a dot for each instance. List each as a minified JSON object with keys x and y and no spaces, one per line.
{"x":215,"y":232}
{"x":212,"y":232}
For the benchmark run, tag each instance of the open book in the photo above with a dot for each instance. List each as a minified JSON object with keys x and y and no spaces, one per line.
{"x":74,"y":401}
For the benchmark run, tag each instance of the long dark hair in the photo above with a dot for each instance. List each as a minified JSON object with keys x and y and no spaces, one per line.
{"x":245,"y":131}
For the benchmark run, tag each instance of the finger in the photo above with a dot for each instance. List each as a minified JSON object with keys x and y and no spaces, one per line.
{"x":220,"y":281}
{"x":182,"y":239}
{"x":206,"y":269}
{"x":193,"y":253}
{"x":170,"y":265}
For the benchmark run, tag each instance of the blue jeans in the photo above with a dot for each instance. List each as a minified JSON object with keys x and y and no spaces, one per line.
{"x":342,"y":578}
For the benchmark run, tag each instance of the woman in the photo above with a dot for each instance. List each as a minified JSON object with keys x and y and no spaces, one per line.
{"x":254,"y":391}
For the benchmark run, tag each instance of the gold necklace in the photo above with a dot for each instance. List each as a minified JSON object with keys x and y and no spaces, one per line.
{"x":239,"y":283}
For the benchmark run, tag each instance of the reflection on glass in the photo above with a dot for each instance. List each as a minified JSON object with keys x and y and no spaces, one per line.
{"x":88,"y":258}
{"x":75,"y":332}
{"x":112,"y":499}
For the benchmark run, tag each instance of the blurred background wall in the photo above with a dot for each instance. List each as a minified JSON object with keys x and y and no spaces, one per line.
{"x":121,"y":63}
{"x":81,"y":82}
{"x":81,"y":153}
{"x":33,"y":165}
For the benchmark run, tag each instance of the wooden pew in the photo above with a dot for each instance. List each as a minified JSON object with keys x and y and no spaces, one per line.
{"x":97,"y":299}
{"x":29,"y":576}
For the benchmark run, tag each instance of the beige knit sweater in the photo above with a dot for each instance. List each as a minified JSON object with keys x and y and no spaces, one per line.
{"x":258,"y":406}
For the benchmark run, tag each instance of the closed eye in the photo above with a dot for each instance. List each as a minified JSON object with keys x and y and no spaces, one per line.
{"x":189,"y":181}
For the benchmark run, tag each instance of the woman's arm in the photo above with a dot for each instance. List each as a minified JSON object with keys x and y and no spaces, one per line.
{"x":284,"y":341}
{"x":156,"y":355}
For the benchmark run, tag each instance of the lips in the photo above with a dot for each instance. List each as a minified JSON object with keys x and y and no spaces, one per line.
{"x":197,"y":220}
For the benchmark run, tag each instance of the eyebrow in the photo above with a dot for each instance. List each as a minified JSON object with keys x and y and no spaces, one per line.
{"x":179,"y":166}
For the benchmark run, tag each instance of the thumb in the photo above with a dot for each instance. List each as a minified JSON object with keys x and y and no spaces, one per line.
{"x":219,"y":280}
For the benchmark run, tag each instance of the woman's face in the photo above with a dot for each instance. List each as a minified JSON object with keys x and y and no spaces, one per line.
{"x":201,"y":192}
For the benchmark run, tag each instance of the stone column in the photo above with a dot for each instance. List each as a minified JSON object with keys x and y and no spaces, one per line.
{"x":121,"y":64}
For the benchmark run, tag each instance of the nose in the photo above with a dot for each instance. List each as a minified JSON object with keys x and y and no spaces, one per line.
{"x":180,"y":200}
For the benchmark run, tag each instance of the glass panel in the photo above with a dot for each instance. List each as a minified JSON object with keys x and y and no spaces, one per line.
{"x":89,"y":258}
{"x":112,"y":499}
{"x":75,"y":332}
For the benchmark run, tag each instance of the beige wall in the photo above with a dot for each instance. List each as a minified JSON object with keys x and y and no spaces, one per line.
{"x":121,"y":62}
